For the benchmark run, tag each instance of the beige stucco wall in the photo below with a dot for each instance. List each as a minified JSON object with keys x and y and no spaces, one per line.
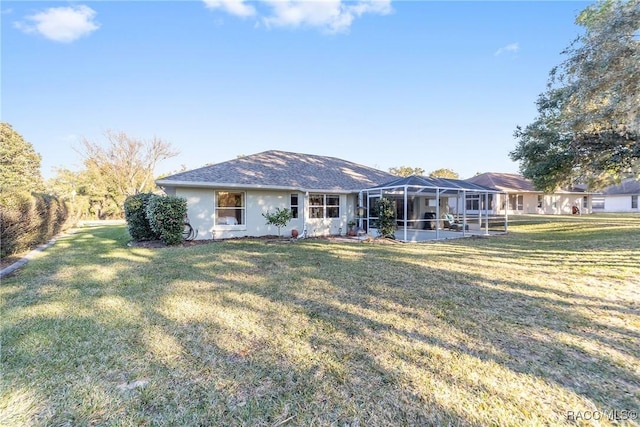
{"x":553,"y":204}
{"x":200,"y":209}
{"x":619,"y":203}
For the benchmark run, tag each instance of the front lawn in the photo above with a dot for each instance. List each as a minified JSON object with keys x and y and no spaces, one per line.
{"x":531,"y":328}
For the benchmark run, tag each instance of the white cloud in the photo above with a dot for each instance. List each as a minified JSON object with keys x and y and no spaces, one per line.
{"x":510,"y":48}
{"x":61,"y":24}
{"x":234,"y":7}
{"x":329,"y":15}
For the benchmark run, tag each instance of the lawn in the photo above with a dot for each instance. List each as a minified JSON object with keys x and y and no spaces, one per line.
{"x":537,"y":327}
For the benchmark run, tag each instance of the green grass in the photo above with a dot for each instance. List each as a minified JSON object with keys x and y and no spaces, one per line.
{"x":511,"y":330}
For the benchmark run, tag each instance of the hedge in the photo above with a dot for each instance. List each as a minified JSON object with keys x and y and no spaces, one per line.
{"x":28,"y":220}
{"x":166,"y":217}
{"x":135,"y":212}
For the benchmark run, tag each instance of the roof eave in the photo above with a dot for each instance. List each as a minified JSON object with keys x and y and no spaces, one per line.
{"x":204,"y":184}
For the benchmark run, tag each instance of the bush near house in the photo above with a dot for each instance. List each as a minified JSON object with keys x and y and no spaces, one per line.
{"x":28,"y":220}
{"x":386,"y":217}
{"x":135,"y":212}
{"x":166,"y":217}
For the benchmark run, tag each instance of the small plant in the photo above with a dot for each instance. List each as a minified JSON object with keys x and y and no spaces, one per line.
{"x":386,"y":217}
{"x":280,"y":218}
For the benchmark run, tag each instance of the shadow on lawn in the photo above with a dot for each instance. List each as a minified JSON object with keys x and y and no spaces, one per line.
{"x":283,"y":338}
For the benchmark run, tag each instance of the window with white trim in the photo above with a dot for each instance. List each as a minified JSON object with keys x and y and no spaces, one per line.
{"x":473,"y":202}
{"x":229,"y":208}
{"x":634,"y":202}
{"x":516,"y":202}
{"x":479,"y":201}
{"x":324,"y":206}
{"x":293,"y":204}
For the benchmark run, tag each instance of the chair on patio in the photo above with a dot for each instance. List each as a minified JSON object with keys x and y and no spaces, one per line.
{"x":450,"y":222}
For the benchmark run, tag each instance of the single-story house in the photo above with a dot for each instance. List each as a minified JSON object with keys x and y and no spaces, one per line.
{"x":227,"y":199}
{"x":621,"y":197}
{"x":326,"y":196}
{"x":519,"y":196}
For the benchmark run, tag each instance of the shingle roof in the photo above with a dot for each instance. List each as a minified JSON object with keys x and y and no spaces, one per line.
{"x":514,"y":183}
{"x":282,"y":169}
{"x":503,"y":181}
{"x":416,"y":183}
{"x":628,"y":186}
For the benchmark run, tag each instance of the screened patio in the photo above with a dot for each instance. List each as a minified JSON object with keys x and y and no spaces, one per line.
{"x":433,"y":209}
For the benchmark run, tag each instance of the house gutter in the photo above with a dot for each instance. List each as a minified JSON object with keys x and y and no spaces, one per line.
{"x":202,"y":184}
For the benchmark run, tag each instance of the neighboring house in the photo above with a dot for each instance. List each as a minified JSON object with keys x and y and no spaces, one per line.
{"x":520,"y":197}
{"x":228,"y":199}
{"x":622,"y":197}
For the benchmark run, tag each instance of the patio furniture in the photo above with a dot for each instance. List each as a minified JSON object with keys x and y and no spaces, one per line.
{"x":451,"y":223}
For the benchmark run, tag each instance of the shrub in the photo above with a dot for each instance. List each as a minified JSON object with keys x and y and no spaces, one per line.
{"x":135,"y":212}
{"x":166,"y":217}
{"x":386,"y":217}
{"x":27,"y":220}
{"x":280,"y":218}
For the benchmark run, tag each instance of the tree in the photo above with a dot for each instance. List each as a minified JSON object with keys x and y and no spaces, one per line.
{"x":280,"y":218}
{"x":124,"y":166}
{"x":19,"y":162}
{"x":589,"y":117}
{"x":406,"y":171}
{"x":444,"y":173}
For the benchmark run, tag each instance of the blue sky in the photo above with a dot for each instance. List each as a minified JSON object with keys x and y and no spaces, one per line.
{"x":416,"y":83}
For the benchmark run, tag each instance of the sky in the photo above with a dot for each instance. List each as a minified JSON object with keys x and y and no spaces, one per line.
{"x":382,"y":83}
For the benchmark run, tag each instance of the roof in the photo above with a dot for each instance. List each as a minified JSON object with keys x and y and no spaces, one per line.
{"x":416,"y":183}
{"x":282,"y":170}
{"x":509,"y":182}
{"x":514,"y":183}
{"x":628,"y":186}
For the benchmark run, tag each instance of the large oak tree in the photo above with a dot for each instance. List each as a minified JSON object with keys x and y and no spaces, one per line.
{"x":589,"y":117}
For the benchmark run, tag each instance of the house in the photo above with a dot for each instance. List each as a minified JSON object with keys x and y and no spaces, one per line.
{"x":621,"y":197}
{"x":519,"y":196}
{"x":227,"y":199}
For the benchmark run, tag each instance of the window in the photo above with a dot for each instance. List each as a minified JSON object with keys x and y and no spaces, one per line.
{"x":597,"y":202}
{"x":324,"y":206}
{"x":294,"y":206}
{"x":490,"y":198}
{"x":516,"y":202}
{"x":479,"y":201}
{"x":585,"y":202}
{"x":540,"y":201}
{"x":634,"y":202}
{"x":229,"y":208}
{"x":473,"y":202}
